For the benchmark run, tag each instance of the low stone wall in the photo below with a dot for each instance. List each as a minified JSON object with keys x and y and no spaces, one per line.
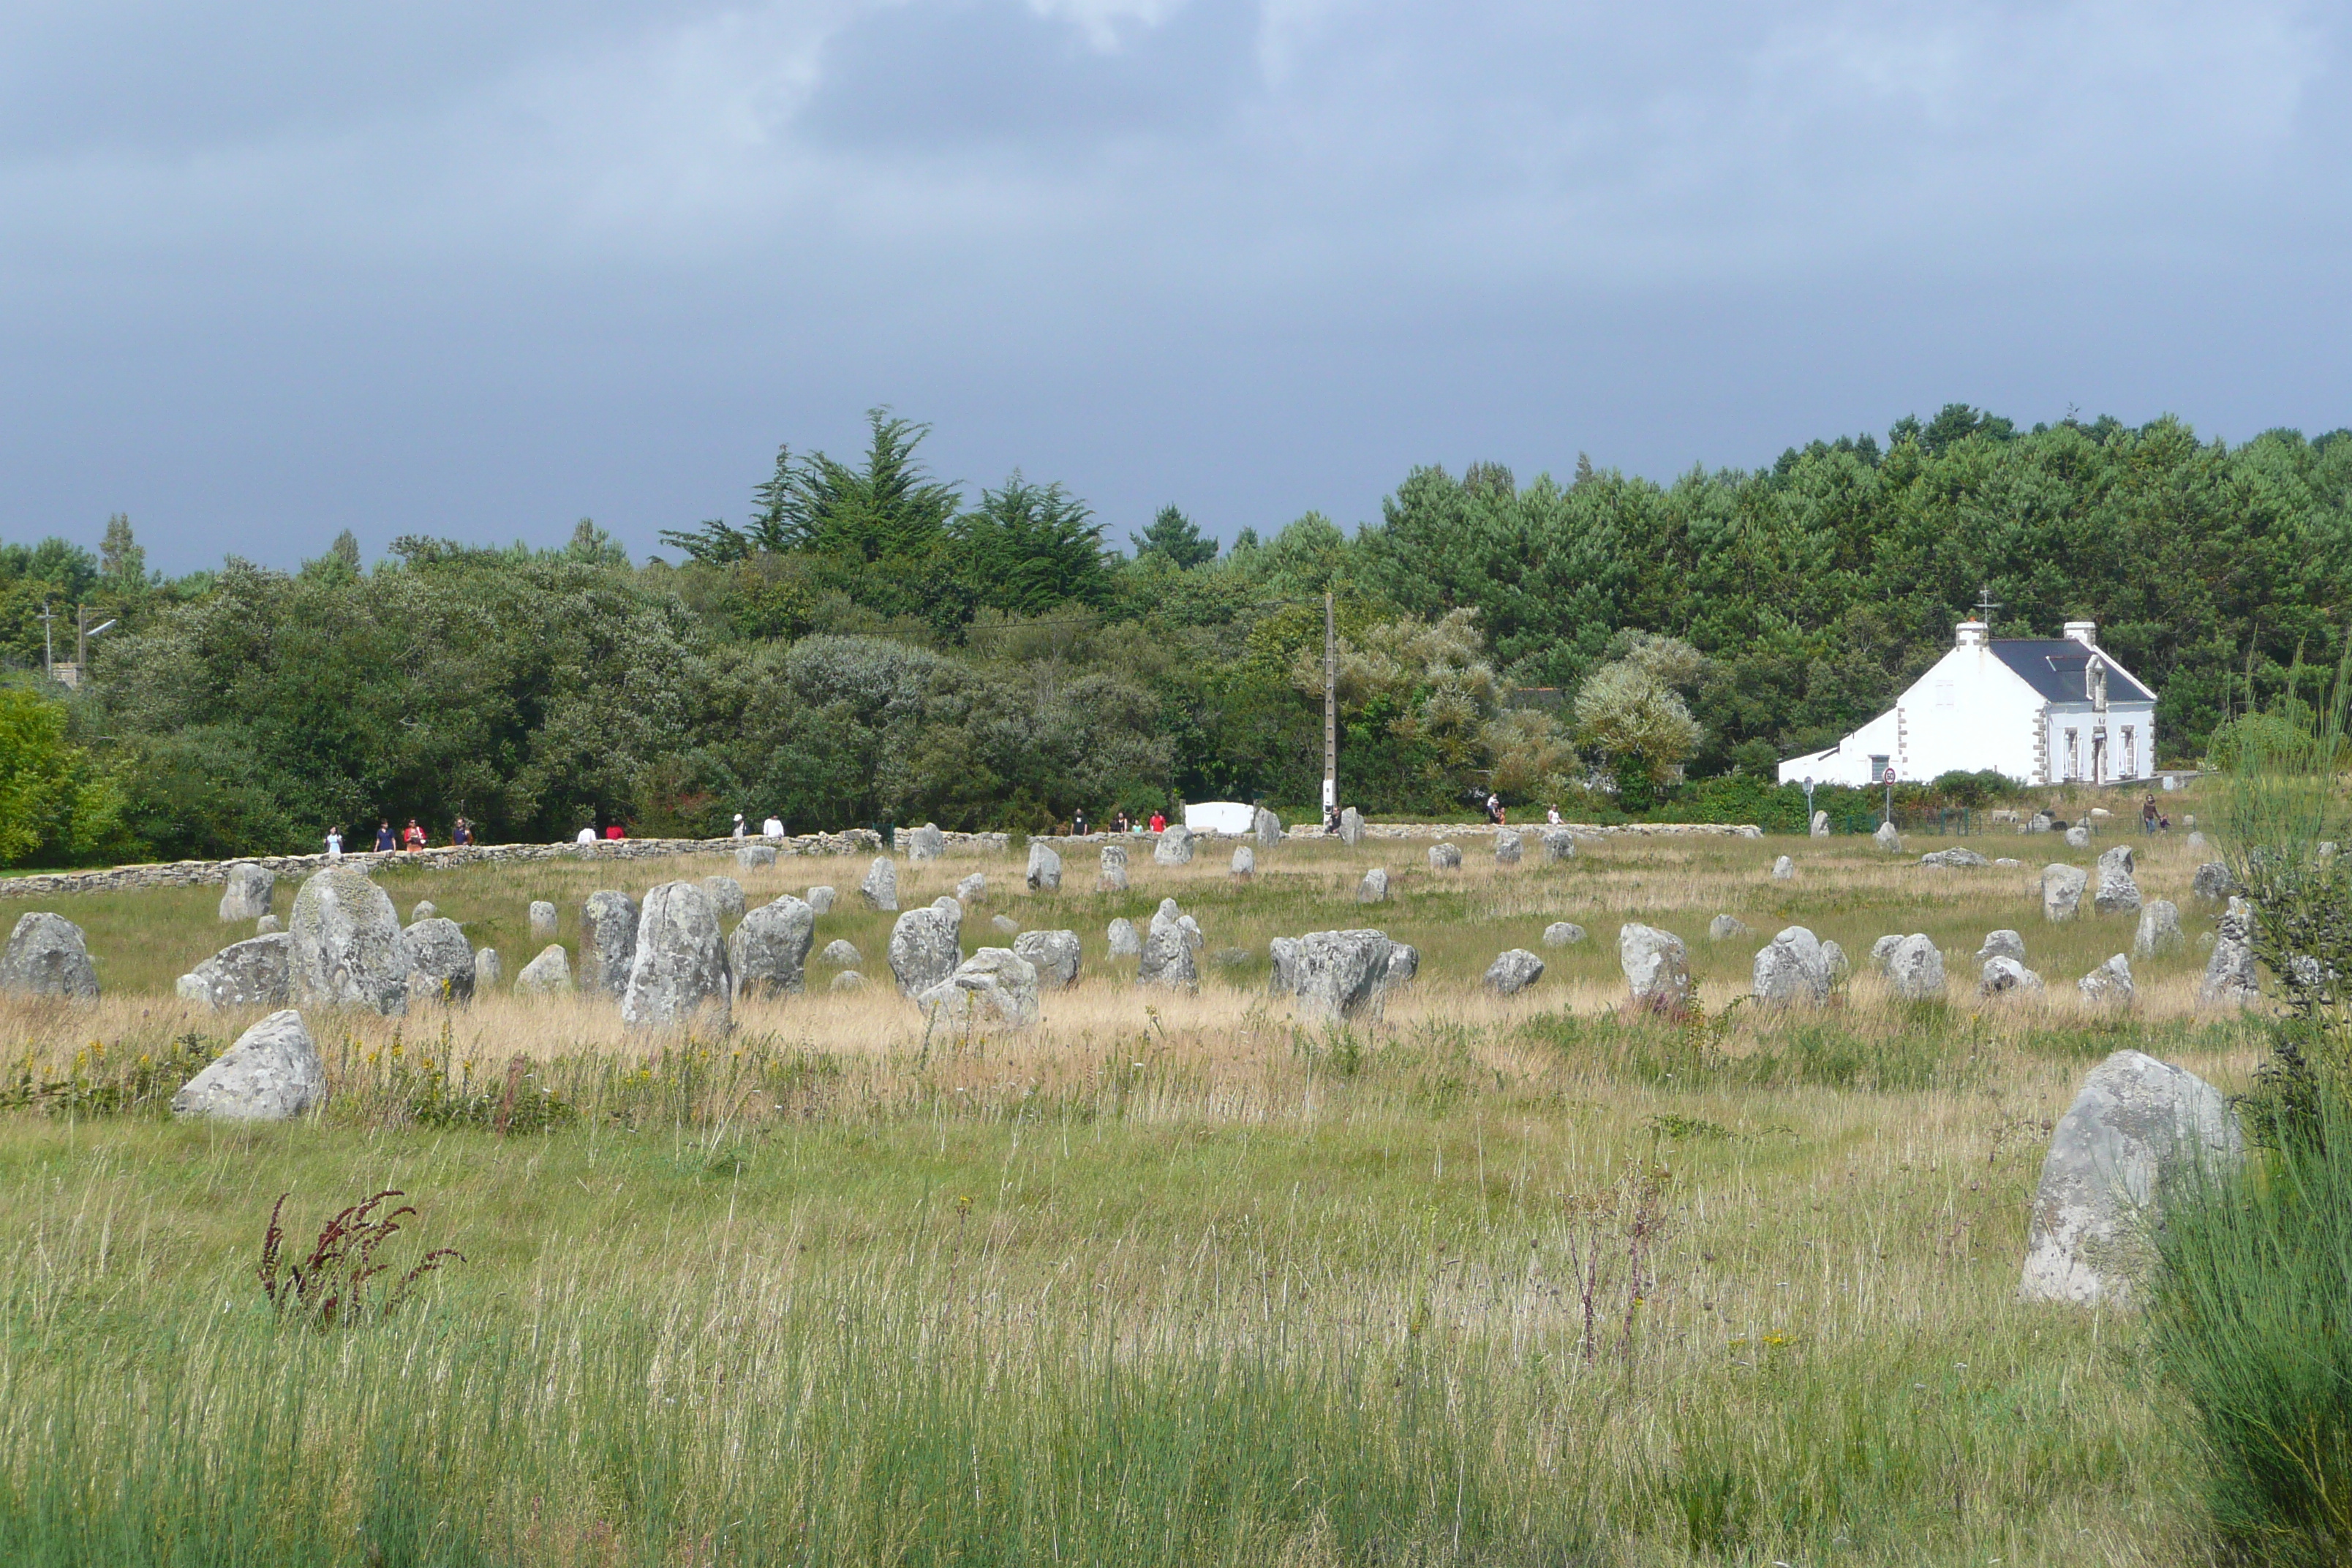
{"x":1308,"y":832}
{"x":198,"y":873}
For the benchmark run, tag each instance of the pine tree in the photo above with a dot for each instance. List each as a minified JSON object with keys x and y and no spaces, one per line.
{"x":1177,"y":537}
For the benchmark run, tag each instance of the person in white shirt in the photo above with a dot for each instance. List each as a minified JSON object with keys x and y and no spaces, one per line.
{"x":739,"y":824}
{"x":587,"y":836}
{"x":773,"y":827}
{"x":1552,"y":815}
{"x":334,"y":844}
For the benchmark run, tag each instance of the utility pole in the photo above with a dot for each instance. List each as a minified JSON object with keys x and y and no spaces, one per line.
{"x":1331,"y":707}
{"x":48,"y":648}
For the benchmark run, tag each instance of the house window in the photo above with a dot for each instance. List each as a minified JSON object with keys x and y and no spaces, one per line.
{"x":2074,"y":755}
{"x":2131,"y":755}
{"x":1878,"y":768}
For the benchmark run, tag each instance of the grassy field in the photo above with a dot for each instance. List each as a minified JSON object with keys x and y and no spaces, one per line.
{"x":1165,"y":1280}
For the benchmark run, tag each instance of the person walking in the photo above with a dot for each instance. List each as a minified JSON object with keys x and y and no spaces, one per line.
{"x":2148,"y":816}
{"x":384,"y":842}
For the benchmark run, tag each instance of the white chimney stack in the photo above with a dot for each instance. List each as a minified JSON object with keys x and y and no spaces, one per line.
{"x":1971,"y":634}
{"x":2084,"y":632}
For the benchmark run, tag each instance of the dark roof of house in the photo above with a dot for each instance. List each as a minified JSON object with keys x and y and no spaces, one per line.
{"x":2054,"y":668}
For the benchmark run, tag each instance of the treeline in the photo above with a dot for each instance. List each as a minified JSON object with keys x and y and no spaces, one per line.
{"x":871,"y":643}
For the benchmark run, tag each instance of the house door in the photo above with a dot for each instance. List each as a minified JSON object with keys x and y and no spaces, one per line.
{"x":2098,"y":756}
{"x":2074,"y":755}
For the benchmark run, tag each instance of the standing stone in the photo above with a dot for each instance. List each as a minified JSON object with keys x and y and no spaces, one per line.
{"x":347,"y":950}
{"x":819,"y":900}
{"x":2110,"y":984}
{"x":2078,"y":837}
{"x":2160,"y":928}
{"x":1820,"y":828}
{"x":2196,"y":840}
{"x":726,"y":895}
{"x":1445,"y":857}
{"x":1338,"y":975}
{"x":1915,"y":970}
{"x":267,"y":925}
{"x":1725,"y":928}
{"x":272,"y":1074}
{"x":768,"y":953}
{"x":926,"y":843}
{"x":257,"y":973}
{"x":46,"y":957}
{"x":880,"y":888}
{"x":487,"y":970}
{"x":1175,"y":845}
{"x":1245,"y":863}
{"x":2229,"y":974}
{"x":1559,"y":844}
{"x":2062,"y":891}
{"x":1953,"y":860}
{"x":2118,"y":893}
{"x":1835,"y":957}
{"x":1006,"y":925}
{"x":2005,"y":975}
{"x":995,"y":985}
{"x":1113,"y":878}
{"x":2001,"y":945}
{"x":1351,"y":827}
{"x":440,"y":961}
{"x":1168,"y":948}
{"x":1283,"y":954}
{"x":1404,"y":963}
{"x":755,"y":857}
{"x":2137,"y":1122}
{"x":924,"y":949}
{"x":1124,"y":942}
{"x":1266,"y":827}
{"x":1886,"y":838}
{"x":542,"y":921}
{"x":1883,"y":949}
{"x":247,"y":896}
{"x":1192,"y":930}
{"x":1374,"y":888}
{"x":1508,"y":845}
{"x":1657,"y":966}
{"x":1514,"y":972}
{"x":1791,"y":968}
{"x":2213,"y":881}
{"x":549,"y":974}
{"x":1784,"y":870}
{"x":973,"y":888}
{"x":1562,"y":933}
{"x":1045,"y":867}
{"x":424,"y":910}
{"x":678,"y":978}
{"x":842,"y":953}
{"x":1054,"y":954}
{"x":608,"y":942}
{"x":848,"y":980}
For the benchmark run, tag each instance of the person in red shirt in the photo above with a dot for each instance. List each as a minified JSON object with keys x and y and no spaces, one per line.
{"x":615,"y":832}
{"x":412,"y":838}
{"x":1159,"y":822}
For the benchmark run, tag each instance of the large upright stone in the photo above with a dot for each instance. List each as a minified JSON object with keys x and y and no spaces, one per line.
{"x":1784,"y":869}
{"x":1914,"y":969}
{"x":2137,"y":1122}
{"x":1245,"y":867}
{"x":271,"y":1074}
{"x":755,"y":857}
{"x":549,"y":974}
{"x":2110,"y":984}
{"x":2001,"y":945}
{"x":726,"y":895}
{"x":1351,"y":827}
{"x":252,"y":973}
{"x":46,"y":957}
{"x":926,"y":843}
{"x":1445,"y":857}
{"x":842,"y":953}
{"x":542,"y":921}
{"x":1657,"y":966}
{"x":1559,"y":844}
{"x":2062,"y":891}
{"x":1113,"y":877}
{"x":1404,"y":963}
{"x":2118,"y":893}
{"x":1374,"y":888}
{"x":1513,"y":972}
{"x":1282,"y":953}
{"x":1791,"y":968}
{"x":1338,"y":975}
{"x":1508,"y":845}
{"x":1122,"y":938}
{"x":487,"y":970}
{"x":925,"y":948}
{"x":1045,"y":867}
{"x":1054,"y":954}
{"x":1266,"y":827}
{"x":880,"y":888}
{"x":347,"y":950}
{"x":608,"y":942}
{"x":972,"y":890}
{"x":2160,"y":928}
{"x":440,"y":962}
{"x":246,"y":895}
{"x":678,"y":978}
{"x":995,"y":986}
{"x":1887,"y":838}
{"x":1821,"y":824}
{"x":2230,"y":976}
{"x":2078,"y":837}
{"x":1168,"y":950}
{"x":2214,"y":882}
{"x":1175,"y":845}
{"x":768,"y":951}
{"x":819,"y":899}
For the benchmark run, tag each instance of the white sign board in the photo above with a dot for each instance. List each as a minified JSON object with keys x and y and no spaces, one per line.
{"x":1220,"y":816}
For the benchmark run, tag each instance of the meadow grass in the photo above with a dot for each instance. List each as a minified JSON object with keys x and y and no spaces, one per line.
{"x":1165,"y":1280}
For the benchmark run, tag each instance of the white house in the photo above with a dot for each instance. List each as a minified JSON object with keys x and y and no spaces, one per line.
{"x":2042,"y":710}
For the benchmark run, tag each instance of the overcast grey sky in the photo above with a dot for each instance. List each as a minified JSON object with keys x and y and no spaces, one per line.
{"x":270,"y":268}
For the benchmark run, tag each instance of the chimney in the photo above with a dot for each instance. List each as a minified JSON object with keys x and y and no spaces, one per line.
{"x":1971,"y":634}
{"x":2084,"y":632}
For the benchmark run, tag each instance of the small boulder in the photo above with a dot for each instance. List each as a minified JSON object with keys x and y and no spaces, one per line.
{"x":1266,"y":827}
{"x":346,"y":950}
{"x":1725,"y":928}
{"x":1914,"y":969}
{"x":926,"y":843}
{"x":2062,"y":891}
{"x":549,"y":974}
{"x":1374,"y":888}
{"x":1657,"y":966}
{"x":880,"y":888}
{"x":1123,"y":940}
{"x":1883,"y":949}
{"x":2196,"y":840}
{"x":271,"y":1074}
{"x":487,"y":970}
{"x":1559,"y":844}
{"x":2160,"y":928}
{"x":1821,"y":824}
{"x":1562,"y":933}
{"x":767,"y":954}
{"x":1888,"y":840}
{"x":848,"y":980}
{"x":1404,"y":964}
{"x":925,"y":948}
{"x":440,"y":962}
{"x":973,"y":888}
{"x":246,"y":895}
{"x":608,"y":942}
{"x":1245,"y":863}
{"x":1784,"y":870}
{"x":1113,"y":876}
{"x":1054,"y":954}
{"x":1351,"y":827}
{"x":995,"y":986}
{"x":2118,"y":893}
{"x":678,"y":977}
{"x":1168,"y":950}
{"x":1508,"y":845}
{"x":257,"y":973}
{"x":1513,"y":972}
{"x":1175,"y":845}
{"x":424,"y":910}
{"x":2230,"y":976}
{"x":2001,"y":945}
{"x":2214,"y":882}
{"x":726,"y":895}
{"x":819,"y":900}
{"x":2078,"y":837}
{"x":2109,"y":985}
{"x":1955,"y":859}
{"x":1834,"y":956}
{"x":2006,"y":974}
{"x":1044,"y":874}
{"x":755,"y":857}
{"x":1006,"y":925}
{"x":1790,"y":968}
{"x":2007,"y":861}
{"x":1340,"y":974}
{"x":542,"y":920}
{"x":1445,"y":857}
{"x":842,"y":953}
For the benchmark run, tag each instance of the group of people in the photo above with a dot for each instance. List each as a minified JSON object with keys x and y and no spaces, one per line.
{"x":771,"y":828}
{"x":410,"y":838}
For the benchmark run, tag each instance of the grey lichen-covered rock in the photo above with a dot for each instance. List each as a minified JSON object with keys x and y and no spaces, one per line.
{"x":347,"y":950}
{"x":1192,"y":930}
{"x":2007,"y":862}
{"x":1791,"y":968}
{"x":1725,"y":928}
{"x":1784,"y":869}
{"x":2230,"y":976}
{"x":840,"y":950}
{"x":2040,"y":822}
{"x":1175,"y":845}
{"x":608,"y":942}
{"x":549,"y":974}
{"x":1124,"y":942}
{"x":819,"y":899}
{"x":1404,"y":963}
{"x":1054,"y":954}
{"x":1351,"y":827}
{"x":1168,"y":950}
{"x":440,"y":961}
{"x":726,"y":896}
{"x":972,"y":890}
{"x":2118,"y":893}
{"x":1955,"y":859}
{"x":2001,"y":976}
{"x":678,"y":978}
{"x":268,"y":925}
{"x":46,"y":957}
{"x":1113,"y":876}
{"x":424,"y":910}
{"x":245,"y":896}
{"x":925,"y":948}
{"x":2078,"y":837}
{"x":1883,"y":949}
{"x":1045,"y":875}
{"x":1513,"y":972}
{"x":253,"y":973}
{"x":2196,"y":840}
{"x":2110,"y":984}
{"x":542,"y":920}
{"x":1559,"y":844}
{"x":1562,"y":933}
{"x":271,"y":1074}
{"x":1821,"y":824}
{"x":1006,"y":925}
{"x":1245,"y":864}
{"x":1374,"y":888}
{"x":926,"y":843}
{"x":1834,"y":956}
{"x":1282,"y":953}
{"x":1888,"y":840}
{"x":2137,"y":1122}
{"x":1340,"y":974}
{"x":487,"y":970}
{"x":993,"y":986}
{"x":2062,"y":891}
{"x":1657,"y":965}
{"x":2160,"y":928}
{"x":755,"y":857}
{"x":1914,"y":969}
{"x":768,"y":951}
{"x":1266,"y":827}
{"x":848,"y":980}
{"x":2214,"y":882}
{"x":2003,"y":944}
{"x":1508,"y":845}
{"x":1445,"y":857}
{"x":880,"y":888}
